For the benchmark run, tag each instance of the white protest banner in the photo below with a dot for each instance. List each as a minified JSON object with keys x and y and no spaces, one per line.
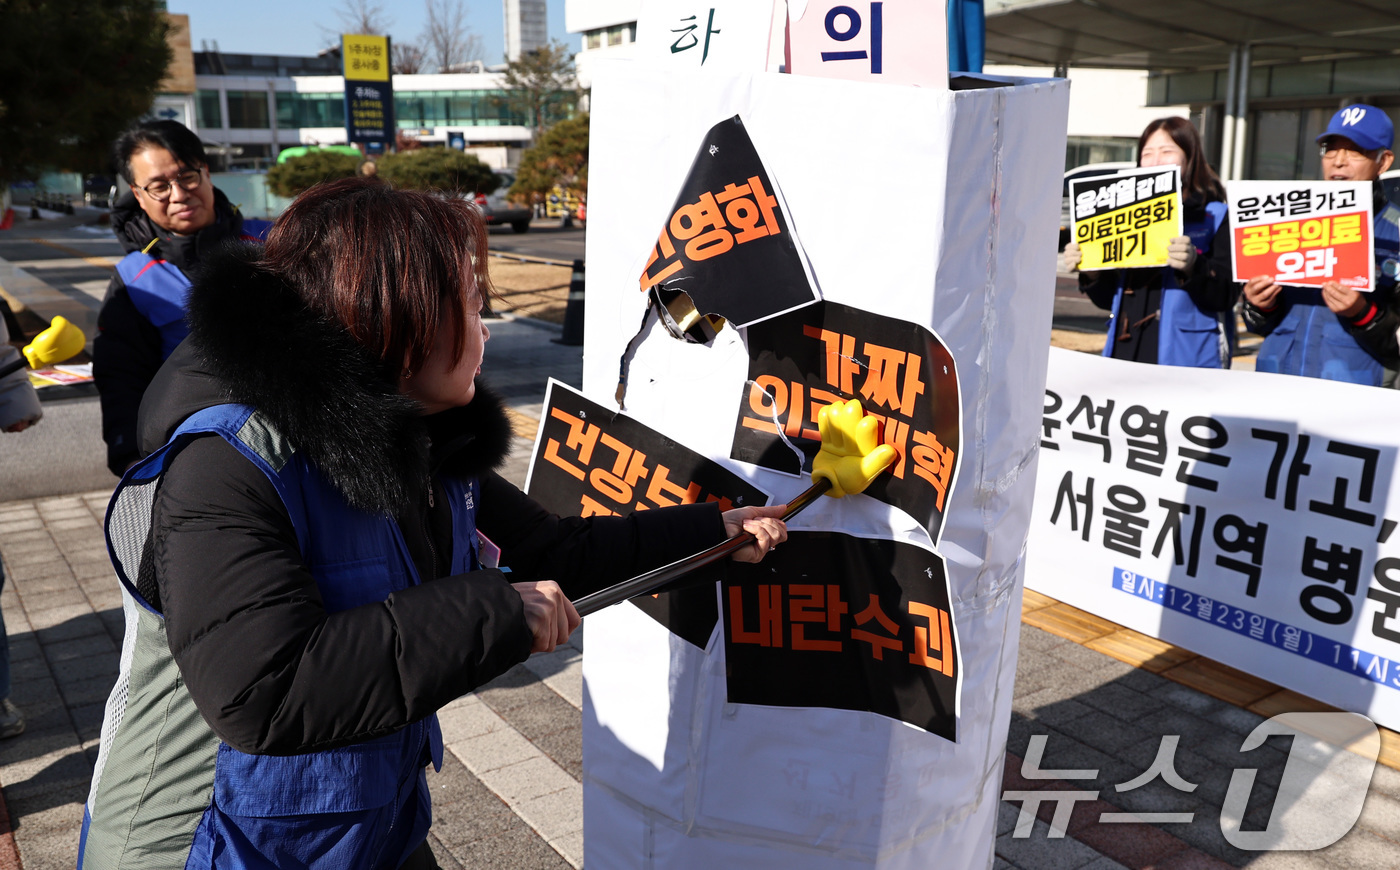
{"x":723,"y":35}
{"x":1304,"y":233}
{"x":1245,"y":517}
{"x":781,"y":740}
{"x":1126,"y":220}
{"x":897,"y":42}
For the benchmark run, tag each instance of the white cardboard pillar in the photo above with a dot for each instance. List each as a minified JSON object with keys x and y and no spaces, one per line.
{"x":932,"y":206}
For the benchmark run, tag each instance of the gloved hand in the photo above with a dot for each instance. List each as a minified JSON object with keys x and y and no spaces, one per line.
{"x":1181,"y":253}
{"x":851,"y":454}
{"x":1072,"y":257}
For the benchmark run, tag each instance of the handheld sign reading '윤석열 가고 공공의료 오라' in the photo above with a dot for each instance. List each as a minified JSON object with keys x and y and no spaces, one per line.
{"x":1304,"y":233}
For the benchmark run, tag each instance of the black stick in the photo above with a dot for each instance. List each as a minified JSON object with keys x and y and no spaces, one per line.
{"x":644,"y":584}
{"x":12,"y":367}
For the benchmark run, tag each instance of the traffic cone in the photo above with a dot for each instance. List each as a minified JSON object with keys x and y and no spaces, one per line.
{"x":573,"y":313}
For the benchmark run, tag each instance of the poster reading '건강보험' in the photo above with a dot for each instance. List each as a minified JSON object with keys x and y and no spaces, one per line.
{"x":850,"y":706}
{"x":593,"y":461}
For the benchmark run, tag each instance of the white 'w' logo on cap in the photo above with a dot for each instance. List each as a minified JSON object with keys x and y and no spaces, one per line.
{"x":1352,"y":116}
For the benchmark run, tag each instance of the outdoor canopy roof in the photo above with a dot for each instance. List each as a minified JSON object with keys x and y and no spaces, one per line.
{"x":1187,"y":34}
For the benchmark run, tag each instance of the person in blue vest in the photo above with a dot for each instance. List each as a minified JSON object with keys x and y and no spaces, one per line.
{"x":308,"y":551}
{"x":1334,"y":332}
{"x":1178,"y":314}
{"x":170,"y":219}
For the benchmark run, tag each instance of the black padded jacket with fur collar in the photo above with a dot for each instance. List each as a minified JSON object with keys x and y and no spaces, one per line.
{"x":267,"y":667}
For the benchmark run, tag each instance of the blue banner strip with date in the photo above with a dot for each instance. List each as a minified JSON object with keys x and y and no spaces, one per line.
{"x":1280,"y":635}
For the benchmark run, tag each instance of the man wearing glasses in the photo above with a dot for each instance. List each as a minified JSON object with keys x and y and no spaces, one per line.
{"x":1335,"y":332}
{"x":172,"y":217}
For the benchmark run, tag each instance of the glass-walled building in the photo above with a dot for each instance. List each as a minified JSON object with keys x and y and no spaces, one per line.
{"x":1289,"y":104}
{"x":249,"y":107}
{"x":1261,"y":79}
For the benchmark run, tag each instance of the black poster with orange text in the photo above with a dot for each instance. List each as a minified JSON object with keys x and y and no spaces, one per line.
{"x":831,"y":620}
{"x":902,"y":374}
{"x":591,"y":461}
{"x":727,"y":244}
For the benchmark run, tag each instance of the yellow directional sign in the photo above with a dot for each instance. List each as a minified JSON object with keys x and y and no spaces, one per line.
{"x":366,"y":57}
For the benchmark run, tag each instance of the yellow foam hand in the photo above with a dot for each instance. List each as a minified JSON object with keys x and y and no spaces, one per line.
{"x":62,"y":340}
{"x":851,"y":454}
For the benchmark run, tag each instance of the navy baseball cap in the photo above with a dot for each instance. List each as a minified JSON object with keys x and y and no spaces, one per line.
{"x":1365,"y":125}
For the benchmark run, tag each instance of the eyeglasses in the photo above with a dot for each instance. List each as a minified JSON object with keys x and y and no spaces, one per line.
{"x":1332,"y":149}
{"x":160,"y":189}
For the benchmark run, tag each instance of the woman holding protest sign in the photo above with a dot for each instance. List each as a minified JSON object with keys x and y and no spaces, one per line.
{"x":304,"y":579}
{"x":1178,"y":314}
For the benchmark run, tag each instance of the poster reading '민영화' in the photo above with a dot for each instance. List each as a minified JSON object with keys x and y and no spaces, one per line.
{"x":727,"y":245}
{"x":1192,"y":507}
{"x":1125,"y":221}
{"x":1304,"y":233}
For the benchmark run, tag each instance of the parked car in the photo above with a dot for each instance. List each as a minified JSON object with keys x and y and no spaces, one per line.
{"x":1390,"y":182}
{"x":1088,"y":170}
{"x":498,"y":211}
{"x":99,"y":191}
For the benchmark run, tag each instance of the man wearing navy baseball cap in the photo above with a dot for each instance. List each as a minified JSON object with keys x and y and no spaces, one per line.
{"x":1335,"y":332}
{"x":1356,"y":145}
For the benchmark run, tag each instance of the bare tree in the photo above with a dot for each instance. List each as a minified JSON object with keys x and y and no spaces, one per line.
{"x":408,"y":58}
{"x":363,"y":16}
{"x":357,"y":16}
{"x":450,"y":42}
{"x":540,"y":84}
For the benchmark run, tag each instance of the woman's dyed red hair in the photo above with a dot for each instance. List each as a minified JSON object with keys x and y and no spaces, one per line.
{"x":391,"y":266}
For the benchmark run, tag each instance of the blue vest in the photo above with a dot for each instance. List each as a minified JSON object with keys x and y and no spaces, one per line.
{"x":360,"y":807}
{"x":158,"y":290}
{"x":1186,"y":335}
{"x":1314,"y":342}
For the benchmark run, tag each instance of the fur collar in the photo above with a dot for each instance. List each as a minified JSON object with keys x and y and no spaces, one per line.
{"x":326,"y":394}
